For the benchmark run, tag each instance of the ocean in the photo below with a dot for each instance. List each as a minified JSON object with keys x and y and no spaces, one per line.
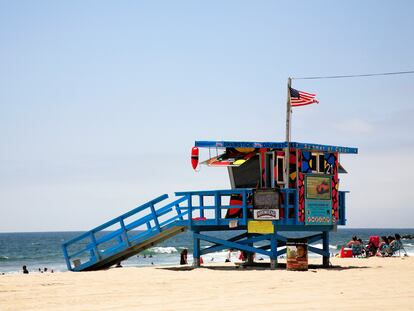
{"x":39,"y":250}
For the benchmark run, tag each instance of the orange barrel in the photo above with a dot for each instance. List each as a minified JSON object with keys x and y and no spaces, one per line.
{"x":297,"y":255}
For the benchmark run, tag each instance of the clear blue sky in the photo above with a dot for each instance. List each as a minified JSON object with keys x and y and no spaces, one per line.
{"x":101,"y":101}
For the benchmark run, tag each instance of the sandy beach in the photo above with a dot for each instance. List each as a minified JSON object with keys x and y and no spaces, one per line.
{"x":352,"y":284}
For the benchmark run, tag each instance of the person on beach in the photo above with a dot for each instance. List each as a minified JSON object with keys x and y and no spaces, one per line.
{"x":372,"y":247}
{"x":228,"y":258}
{"x":382,"y":247}
{"x":25,"y":271}
{"x":242,"y":255}
{"x":183,"y":257}
{"x":397,"y":245}
{"x":358,"y":248}
{"x":352,"y":242}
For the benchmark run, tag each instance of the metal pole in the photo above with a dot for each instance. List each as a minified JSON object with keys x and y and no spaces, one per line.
{"x":288,"y":125}
{"x":288,"y":111}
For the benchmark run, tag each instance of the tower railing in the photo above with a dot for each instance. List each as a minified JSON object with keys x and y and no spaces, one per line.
{"x":209,"y":208}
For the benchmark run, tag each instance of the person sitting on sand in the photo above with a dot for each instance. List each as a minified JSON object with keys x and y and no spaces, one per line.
{"x":352,"y":242}
{"x":357,"y":248}
{"x":382,"y":247}
{"x":25,"y":271}
{"x":396,"y":245}
{"x":388,"y":249}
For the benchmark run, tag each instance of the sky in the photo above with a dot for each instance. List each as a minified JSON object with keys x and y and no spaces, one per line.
{"x":101,"y":101}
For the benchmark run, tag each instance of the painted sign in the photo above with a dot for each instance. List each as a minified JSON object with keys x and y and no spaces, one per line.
{"x":263,"y":227}
{"x":318,"y":212}
{"x":266,"y":214}
{"x":318,"y":187}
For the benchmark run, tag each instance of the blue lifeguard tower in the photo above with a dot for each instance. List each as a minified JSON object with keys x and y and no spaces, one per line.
{"x":275,"y":187}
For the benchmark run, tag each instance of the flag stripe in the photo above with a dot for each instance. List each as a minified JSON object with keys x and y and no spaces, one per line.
{"x":300,"y":98}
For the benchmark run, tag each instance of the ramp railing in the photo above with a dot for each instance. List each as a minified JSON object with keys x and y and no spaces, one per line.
{"x":122,"y":232}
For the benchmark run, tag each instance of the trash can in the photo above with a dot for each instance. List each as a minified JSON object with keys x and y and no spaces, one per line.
{"x":297,"y":254}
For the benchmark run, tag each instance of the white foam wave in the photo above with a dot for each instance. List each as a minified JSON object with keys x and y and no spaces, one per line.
{"x":222,"y":256}
{"x":319,"y":245}
{"x":163,"y":250}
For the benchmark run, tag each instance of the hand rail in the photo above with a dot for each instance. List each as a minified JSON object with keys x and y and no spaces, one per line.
{"x":289,"y":202}
{"x":89,"y":244}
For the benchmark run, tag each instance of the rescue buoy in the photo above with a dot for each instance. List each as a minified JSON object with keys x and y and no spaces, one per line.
{"x":194,"y":157}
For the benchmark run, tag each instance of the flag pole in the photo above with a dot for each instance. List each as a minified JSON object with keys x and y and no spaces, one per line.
{"x":288,"y":125}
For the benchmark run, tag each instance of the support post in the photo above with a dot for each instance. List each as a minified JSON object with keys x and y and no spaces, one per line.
{"x":273,"y":249}
{"x":66,"y":255}
{"x":250,"y":256}
{"x":196,"y":251}
{"x":325,"y":243}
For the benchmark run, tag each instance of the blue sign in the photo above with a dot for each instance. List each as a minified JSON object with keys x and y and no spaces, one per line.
{"x":318,"y":212}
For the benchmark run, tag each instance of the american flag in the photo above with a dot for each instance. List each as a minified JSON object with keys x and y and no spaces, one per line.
{"x":299,"y":98}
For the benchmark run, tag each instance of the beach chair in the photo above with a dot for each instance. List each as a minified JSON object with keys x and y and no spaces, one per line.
{"x":372,"y":246}
{"x":357,"y":250}
{"x":395,"y":248}
{"x":385,"y":250}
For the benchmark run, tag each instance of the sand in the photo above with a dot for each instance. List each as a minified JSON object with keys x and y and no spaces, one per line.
{"x":354,"y":284}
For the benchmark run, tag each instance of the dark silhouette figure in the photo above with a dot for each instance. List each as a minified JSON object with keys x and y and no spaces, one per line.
{"x":25,"y":271}
{"x":183,"y":257}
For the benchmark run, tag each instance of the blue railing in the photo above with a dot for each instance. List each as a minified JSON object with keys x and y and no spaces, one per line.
{"x":122,"y":232}
{"x":219,"y":203}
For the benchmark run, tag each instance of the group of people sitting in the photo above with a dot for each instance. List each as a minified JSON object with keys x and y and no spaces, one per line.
{"x":388,"y":246}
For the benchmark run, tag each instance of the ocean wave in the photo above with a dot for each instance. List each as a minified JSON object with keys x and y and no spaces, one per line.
{"x":163,"y":250}
{"x":3,"y":258}
{"x":319,"y":245}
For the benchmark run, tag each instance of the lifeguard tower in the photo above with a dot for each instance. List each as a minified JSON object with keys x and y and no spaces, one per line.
{"x":275,"y":187}
{"x":264,"y":200}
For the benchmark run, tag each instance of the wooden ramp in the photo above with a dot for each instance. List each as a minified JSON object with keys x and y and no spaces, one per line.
{"x":126,"y":235}
{"x":135,"y":249}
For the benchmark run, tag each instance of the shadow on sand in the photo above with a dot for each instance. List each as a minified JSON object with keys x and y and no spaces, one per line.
{"x":260,"y":266}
